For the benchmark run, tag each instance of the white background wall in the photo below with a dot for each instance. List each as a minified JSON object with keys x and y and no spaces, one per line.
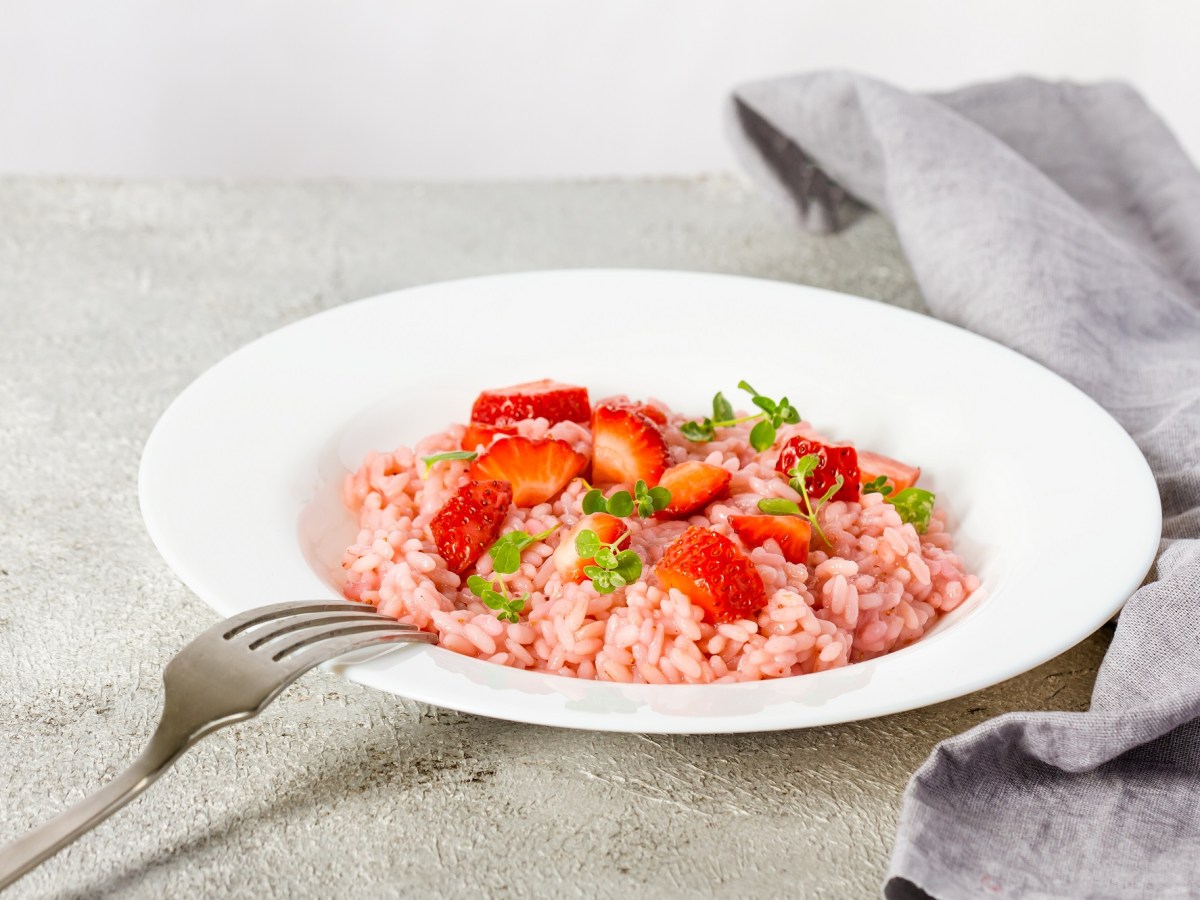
{"x":508,"y":88}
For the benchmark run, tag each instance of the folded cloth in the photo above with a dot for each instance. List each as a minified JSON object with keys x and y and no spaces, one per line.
{"x":1064,"y":221}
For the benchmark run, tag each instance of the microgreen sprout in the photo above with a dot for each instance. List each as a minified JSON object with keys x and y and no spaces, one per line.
{"x":611,"y":567}
{"x":797,"y":478}
{"x":914,"y":504}
{"x":508,"y":608}
{"x":506,"y":559}
{"x":431,"y":461}
{"x":645,"y":500}
{"x":877,"y":486}
{"x":774,"y":415}
{"x":506,"y":552}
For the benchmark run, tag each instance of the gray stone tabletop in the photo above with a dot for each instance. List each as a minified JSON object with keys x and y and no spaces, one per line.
{"x":113,"y":296}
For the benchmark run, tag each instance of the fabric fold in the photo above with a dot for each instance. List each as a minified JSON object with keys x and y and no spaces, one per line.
{"x":1064,"y":221}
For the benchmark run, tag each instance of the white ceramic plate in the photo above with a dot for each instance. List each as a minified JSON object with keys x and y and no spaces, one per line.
{"x":239,"y":480}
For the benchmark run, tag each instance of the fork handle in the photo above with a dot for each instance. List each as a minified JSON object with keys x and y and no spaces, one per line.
{"x":37,"y":846}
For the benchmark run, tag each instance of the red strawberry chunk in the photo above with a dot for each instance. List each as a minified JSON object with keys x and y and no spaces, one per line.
{"x":479,"y":435}
{"x":537,"y":470}
{"x":872,"y":465}
{"x":626,"y":447}
{"x":649,"y":410}
{"x":543,"y":399}
{"x":469,"y":522}
{"x":566,"y":559}
{"x":835,"y":459}
{"x":713,"y":573}
{"x":791,"y":533}
{"x":693,"y":485}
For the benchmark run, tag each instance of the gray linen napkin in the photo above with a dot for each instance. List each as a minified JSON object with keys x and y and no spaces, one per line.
{"x":1064,"y":221}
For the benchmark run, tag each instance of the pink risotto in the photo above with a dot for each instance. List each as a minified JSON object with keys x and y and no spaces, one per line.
{"x":622,"y":541}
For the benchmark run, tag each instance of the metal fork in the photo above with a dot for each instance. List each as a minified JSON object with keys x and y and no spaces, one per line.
{"x":227,"y":674}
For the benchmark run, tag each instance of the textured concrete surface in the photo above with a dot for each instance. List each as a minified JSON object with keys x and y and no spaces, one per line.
{"x":113,"y":296}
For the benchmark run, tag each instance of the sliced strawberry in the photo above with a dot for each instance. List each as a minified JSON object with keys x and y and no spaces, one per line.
{"x":469,"y":522}
{"x":649,"y":410}
{"x":714,"y":574}
{"x":693,"y":485}
{"x":479,"y":435}
{"x":835,"y":459}
{"x":543,"y":399}
{"x":791,"y":533}
{"x":626,"y":447}
{"x":537,"y":470}
{"x":566,"y":559}
{"x":652,"y":412}
{"x":872,"y":465}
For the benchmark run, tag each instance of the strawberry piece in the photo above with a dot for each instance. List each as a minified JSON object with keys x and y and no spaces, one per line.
{"x":835,"y":459}
{"x":543,"y":399}
{"x":714,"y":574}
{"x":469,"y":522}
{"x":791,"y":533}
{"x":649,"y":410}
{"x":537,"y":470}
{"x":652,"y":412}
{"x":566,"y":559}
{"x":872,"y":465}
{"x":479,"y":435}
{"x":693,"y":485}
{"x":626,"y":446}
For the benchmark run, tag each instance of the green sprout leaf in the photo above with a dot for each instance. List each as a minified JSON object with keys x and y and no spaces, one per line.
{"x":838,"y":481}
{"x":506,"y":558}
{"x":506,"y":552}
{"x":698,"y":432}
{"x":478,"y":584}
{"x":620,"y":504}
{"x":762,"y":435}
{"x":650,"y":500}
{"x":512,"y":610}
{"x":778,"y":506}
{"x":722,"y":408}
{"x":629,"y":566}
{"x":431,"y":461}
{"x":915,"y":507}
{"x":877,"y":486}
{"x":587,"y":542}
{"x":494,"y":600}
{"x":798,"y":474}
{"x":788,"y":414}
{"x":645,"y":500}
{"x":610,"y":568}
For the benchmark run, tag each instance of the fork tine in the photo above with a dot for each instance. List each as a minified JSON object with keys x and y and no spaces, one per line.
{"x":324,"y":650}
{"x":312,"y":620}
{"x":235,"y":625}
{"x":239,"y":623}
{"x":319,"y":634}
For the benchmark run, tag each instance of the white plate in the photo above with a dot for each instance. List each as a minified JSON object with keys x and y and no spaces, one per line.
{"x":239,"y":480}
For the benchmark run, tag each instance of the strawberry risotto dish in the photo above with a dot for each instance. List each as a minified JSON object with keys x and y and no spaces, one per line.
{"x":622,"y":541}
